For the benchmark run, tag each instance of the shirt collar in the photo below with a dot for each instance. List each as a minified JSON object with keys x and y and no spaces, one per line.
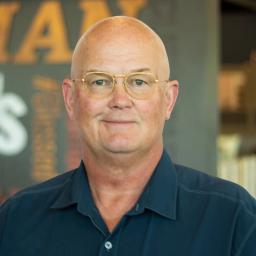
{"x":159,"y":195}
{"x":76,"y":191}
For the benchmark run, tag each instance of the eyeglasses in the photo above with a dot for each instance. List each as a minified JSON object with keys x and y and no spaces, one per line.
{"x":139,"y":85}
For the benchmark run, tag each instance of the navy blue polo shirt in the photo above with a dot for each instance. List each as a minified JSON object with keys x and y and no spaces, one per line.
{"x":181,"y":212}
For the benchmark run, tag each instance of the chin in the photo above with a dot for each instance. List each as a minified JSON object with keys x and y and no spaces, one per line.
{"x":120,"y":148}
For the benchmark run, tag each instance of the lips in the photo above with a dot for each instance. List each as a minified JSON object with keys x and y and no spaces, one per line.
{"x":118,"y":121}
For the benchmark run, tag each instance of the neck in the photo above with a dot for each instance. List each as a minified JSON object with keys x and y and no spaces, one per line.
{"x":120,"y":171}
{"x":117,"y":181}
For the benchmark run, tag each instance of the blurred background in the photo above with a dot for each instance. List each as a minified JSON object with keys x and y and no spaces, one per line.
{"x":212,"y":49}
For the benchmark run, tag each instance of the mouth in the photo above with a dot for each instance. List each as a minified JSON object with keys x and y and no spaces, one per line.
{"x":118,"y":122}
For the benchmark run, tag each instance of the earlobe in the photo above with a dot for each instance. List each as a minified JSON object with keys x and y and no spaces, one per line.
{"x":68,"y":95}
{"x":172,"y":92}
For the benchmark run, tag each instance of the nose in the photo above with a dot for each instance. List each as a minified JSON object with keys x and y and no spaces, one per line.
{"x":120,"y":98}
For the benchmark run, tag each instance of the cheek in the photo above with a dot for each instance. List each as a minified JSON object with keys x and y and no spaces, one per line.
{"x":87,"y":110}
{"x":153,"y":113}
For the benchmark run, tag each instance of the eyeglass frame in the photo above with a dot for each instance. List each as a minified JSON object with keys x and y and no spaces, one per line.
{"x":114,"y":78}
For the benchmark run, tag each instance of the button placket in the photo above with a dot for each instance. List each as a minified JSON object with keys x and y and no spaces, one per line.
{"x":108,"y":245}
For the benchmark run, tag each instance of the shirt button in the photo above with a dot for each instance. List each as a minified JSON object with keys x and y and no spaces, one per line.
{"x":108,"y":245}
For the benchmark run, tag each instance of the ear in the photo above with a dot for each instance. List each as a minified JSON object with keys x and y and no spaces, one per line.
{"x":171,"y":94}
{"x":68,"y":95}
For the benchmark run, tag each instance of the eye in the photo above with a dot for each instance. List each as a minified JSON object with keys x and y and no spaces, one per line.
{"x":100,"y":82}
{"x":139,"y":82}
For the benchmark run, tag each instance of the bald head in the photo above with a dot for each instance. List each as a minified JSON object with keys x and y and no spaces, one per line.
{"x":119,"y":36}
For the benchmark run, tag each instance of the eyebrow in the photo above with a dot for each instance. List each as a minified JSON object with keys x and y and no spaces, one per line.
{"x":132,"y":71}
{"x":141,"y":70}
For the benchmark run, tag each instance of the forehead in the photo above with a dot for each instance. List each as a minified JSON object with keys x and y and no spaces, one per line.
{"x":119,"y":55}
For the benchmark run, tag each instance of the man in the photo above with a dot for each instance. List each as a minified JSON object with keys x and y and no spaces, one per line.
{"x":127,"y":197}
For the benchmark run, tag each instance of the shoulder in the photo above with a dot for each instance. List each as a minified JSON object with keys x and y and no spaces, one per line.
{"x":31,"y":203}
{"x":45,"y":192}
{"x":199,"y":183}
{"x":228,"y":205}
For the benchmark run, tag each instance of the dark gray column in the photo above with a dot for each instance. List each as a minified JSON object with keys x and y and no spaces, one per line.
{"x":190,"y":32}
